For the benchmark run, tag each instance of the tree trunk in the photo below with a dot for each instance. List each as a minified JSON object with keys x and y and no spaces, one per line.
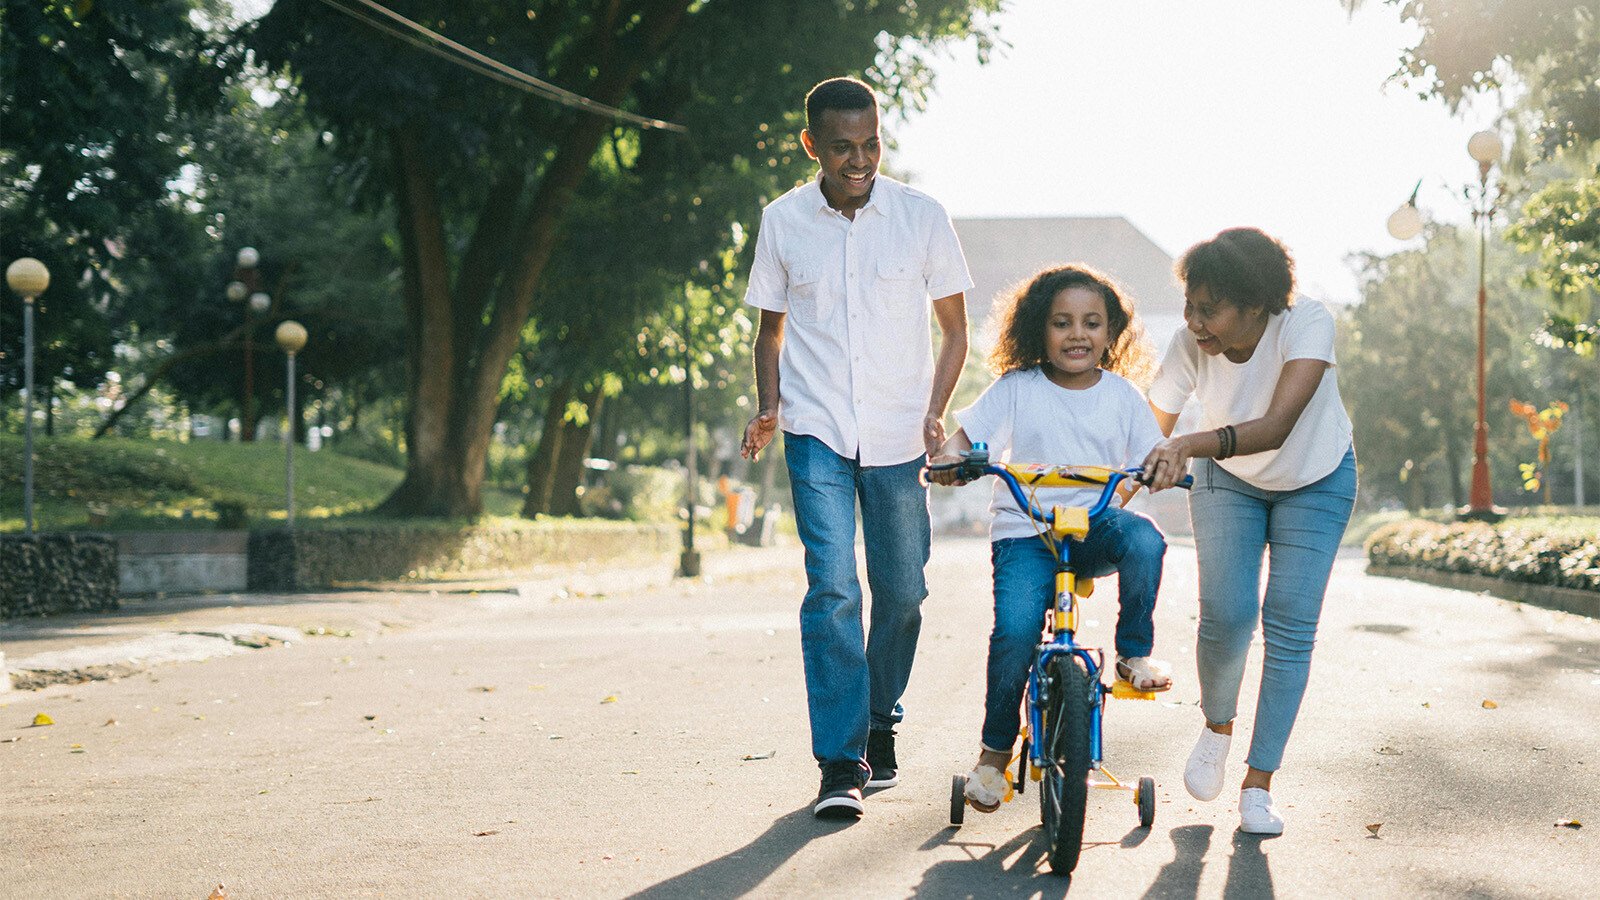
{"x":454,"y":400}
{"x":47,"y":394}
{"x":576,"y":443}
{"x":542,"y":461}
{"x":1452,"y":456}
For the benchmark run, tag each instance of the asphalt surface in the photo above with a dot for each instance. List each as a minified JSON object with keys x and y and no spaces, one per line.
{"x":591,"y":739}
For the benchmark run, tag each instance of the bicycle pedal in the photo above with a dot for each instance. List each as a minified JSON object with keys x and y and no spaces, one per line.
{"x":1124,"y":690}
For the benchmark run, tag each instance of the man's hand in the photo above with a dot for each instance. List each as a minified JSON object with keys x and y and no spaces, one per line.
{"x":948,"y":477}
{"x":758,"y":434}
{"x":933,"y":435}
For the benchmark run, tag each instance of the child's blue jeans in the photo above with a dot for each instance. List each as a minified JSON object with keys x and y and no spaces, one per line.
{"x":1024,"y":587}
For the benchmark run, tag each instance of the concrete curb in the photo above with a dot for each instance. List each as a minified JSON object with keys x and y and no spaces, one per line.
{"x":1568,"y":600}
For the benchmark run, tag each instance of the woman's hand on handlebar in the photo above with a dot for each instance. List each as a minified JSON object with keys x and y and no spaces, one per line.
{"x":1166,"y":464}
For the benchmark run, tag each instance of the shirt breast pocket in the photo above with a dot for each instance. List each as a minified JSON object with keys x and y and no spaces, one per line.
{"x":898,"y":290}
{"x":804,"y":294}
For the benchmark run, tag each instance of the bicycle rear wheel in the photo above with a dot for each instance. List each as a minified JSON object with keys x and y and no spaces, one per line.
{"x":1069,"y":705}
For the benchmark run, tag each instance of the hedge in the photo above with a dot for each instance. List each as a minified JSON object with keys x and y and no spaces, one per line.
{"x":57,"y":573}
{"x":1561,"y":552}
{"x":329,"y":557}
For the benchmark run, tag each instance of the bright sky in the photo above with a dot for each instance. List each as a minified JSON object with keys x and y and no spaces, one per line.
{"x":1190,"y":116}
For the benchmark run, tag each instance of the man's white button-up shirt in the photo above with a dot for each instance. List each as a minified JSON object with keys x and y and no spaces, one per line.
{"x":856,"y":368}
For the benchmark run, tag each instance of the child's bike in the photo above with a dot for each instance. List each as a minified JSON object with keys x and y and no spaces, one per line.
{"x":1066,"y":696}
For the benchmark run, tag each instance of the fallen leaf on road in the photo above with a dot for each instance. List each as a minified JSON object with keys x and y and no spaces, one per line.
{"x":537,"y":687}
{"x":1427,"y":706}
{"x":369,"y":718}
{"x":555,"y":737}
{"x":1374,"y":828}
{"x":1490,"y":704}
{"x":263,"y":791}
{"x":9,"y":740}
{"x":221,"y":893}
{"x":767,"y":755}
{"x":1388,"y":751}
{"x":109,"y":722}
{"x":485,"y":689}
{"x":1541,"y":748}
{"x":611,"y":698}
{"x":631,"y":772}
{"x":484,"y":833}
{"x":41,"y":719}
{"x":77,"y":748}
{"x":1569,"y":823}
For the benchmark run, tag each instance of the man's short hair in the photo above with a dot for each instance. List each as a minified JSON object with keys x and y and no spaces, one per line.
{"x":838,"y":93}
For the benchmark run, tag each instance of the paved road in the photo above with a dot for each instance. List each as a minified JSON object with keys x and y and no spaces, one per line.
{"x":592,"y":745}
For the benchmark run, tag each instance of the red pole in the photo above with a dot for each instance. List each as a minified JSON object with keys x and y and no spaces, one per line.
{"x":1481,"y":500}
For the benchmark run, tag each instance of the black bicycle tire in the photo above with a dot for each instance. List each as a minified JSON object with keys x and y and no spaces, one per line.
{"x":1064,"y":793}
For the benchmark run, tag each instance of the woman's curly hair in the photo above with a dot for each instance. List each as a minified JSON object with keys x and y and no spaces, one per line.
{"x":1025,"y":317}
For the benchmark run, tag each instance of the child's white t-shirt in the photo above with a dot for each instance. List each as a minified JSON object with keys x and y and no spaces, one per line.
{"x":1230,"y":393}
{"x":1024,"y":417}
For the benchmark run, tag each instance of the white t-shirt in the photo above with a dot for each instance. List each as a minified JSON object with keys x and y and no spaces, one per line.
{"x":856,"y":368}
{"x":1230,"y":393}
{"x":1025,"y":417}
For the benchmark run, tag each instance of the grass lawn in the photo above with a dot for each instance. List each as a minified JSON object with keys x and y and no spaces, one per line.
{"x":141,"y":484}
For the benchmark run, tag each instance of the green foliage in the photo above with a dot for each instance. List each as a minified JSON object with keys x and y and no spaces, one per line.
{"x":1560,"y":229}
{"x":1557,"y":550}
{"x":640,"y":493}
{"x":93,"y":101}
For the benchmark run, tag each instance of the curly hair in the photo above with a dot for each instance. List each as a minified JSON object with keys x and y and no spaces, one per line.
{"x":1243,"y":266}
{"x":1025,"y":317}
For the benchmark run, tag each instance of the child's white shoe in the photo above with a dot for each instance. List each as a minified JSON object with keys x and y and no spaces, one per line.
{"x":1203,"y":775}
{"x":1257,"y":814}
{"x":986,"y":788}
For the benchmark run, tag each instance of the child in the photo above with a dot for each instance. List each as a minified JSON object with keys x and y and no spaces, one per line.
{"x":1069,"y":343}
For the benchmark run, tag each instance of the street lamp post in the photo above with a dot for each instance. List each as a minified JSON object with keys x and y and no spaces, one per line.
{"x":244,"y":287}
{"x":689,"y":562}
{"x":1485,"y":148}
{"x":1404,"y":224}
{"x":291,"y":337}
{"x":29,"y":278}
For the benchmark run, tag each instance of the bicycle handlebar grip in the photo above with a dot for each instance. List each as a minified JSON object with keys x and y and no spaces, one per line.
{"x":1186,"y":482}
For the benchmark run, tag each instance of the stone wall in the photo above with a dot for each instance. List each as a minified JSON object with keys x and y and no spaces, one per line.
{"x":331,"y":557}
{"x":57,"y":573}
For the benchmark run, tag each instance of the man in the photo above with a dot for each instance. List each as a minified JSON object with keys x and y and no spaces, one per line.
{"x":844,"y":268}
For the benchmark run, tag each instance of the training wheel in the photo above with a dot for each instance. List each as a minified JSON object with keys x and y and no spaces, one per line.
{"x":1145,"y":796}
{"x":958,"y":800}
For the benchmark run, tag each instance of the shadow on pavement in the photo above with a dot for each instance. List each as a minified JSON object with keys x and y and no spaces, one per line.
{"x":1248,"y":873}
{"x":1181,"y":877}
{"x":1015,"y":868}
{"x":742,"y":871}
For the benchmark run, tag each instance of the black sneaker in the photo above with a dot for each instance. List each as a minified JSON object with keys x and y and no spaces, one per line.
{"x":880,"y":759}
{"x":840,"y":796}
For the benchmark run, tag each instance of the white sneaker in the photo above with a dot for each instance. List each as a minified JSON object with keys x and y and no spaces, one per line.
{"x":1257,"y":815}
{"x":1203,"y":775}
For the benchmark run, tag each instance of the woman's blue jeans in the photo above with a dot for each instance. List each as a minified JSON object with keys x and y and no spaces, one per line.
{"x":1024,"y":587}
{"x":1299,"y":531}
{"x":853,"y":680}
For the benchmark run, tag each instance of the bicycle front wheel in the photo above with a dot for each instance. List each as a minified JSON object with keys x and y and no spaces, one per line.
{"x":1069,"y":705}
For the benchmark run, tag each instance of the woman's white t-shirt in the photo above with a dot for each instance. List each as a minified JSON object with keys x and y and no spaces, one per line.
{"x":1230,"y":393}
{"x":1025,"y":417}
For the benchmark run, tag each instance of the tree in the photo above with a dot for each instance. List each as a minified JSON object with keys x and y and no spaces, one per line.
{"x":94,"y":96}
{"x":484,"y":178}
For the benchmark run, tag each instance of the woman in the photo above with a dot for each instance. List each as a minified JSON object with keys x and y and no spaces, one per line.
{"x":1275,"y":472}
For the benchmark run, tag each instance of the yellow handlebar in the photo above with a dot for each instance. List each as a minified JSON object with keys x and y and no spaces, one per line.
{"x":1036,"y":475}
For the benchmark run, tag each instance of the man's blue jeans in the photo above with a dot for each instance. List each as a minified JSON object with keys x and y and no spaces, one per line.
{"x":1299,"y":530}
{"x":854,"y":681}
{"x":1024,"y":587}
